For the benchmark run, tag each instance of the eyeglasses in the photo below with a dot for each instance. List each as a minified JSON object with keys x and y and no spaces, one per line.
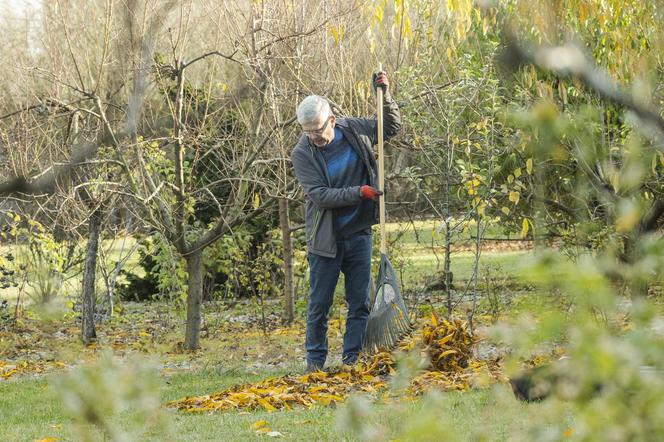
{"x":318,"y":131}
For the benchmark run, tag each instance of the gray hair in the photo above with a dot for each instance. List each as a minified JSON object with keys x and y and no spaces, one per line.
{"x":311,"y":108}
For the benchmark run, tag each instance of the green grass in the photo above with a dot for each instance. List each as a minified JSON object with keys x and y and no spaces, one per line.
{"x":113,"y":249}
{"x":31,"y":410}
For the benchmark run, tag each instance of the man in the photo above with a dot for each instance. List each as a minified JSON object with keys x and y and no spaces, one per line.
{"x":335,"y":164}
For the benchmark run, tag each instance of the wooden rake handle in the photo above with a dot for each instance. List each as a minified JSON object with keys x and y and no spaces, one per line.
{"x":381,"y":165}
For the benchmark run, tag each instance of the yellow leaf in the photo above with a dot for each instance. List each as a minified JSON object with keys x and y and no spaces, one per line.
{"x":434,"y":319}
{"x":517,"y":172}
{"x":257,"y":201}
{"x":514,"y":197}
{"x":378,"y":14}
{"x":510,"y":178}
{"x":653,"y":163}
{"x":529,"y":166}
{"x":615,"y":181}
{"x":268,"y":406}
{"x":259,"y":424}
{"x":445,"y":340}
{"x":48,"y":439}
{"x":505,"y":210}
{"x":525,"y":225}
{"x":446,"y":353}
{"x":337,"y":33}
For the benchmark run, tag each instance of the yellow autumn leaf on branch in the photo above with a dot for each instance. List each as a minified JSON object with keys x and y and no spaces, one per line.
{"x":514,"y":197}
{"x":525,"y":227}
{"x":337,"y":33}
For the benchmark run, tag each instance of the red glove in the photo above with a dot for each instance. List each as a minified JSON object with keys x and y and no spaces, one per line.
{"x":370,"y":193}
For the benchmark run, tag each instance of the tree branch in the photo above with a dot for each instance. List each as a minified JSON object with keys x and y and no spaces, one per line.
{"x":570,"y":61}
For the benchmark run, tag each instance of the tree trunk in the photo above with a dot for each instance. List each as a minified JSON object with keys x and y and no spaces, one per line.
{"x":194,"y":300}
{"x":88,"y":333}
{"x":447,"y":271}
{"x":289,"y":292}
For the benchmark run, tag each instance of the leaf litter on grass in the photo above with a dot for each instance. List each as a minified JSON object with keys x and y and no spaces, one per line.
{"x":448,"y":345}
{"x":17,"y":368}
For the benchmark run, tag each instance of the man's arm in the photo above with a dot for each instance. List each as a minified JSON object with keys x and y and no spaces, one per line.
{"x":391,"y":113}
{"x":316,"y":188}
{"x":391,"y":117}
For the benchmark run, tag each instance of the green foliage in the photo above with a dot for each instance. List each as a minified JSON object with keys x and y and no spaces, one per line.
{"x":40,"y":261}
{"x":252,"y":263}
{"x":247,"y":263}
{"x":165,"y":273}
{"x":93,"y":396}
{"x":611,"y":343}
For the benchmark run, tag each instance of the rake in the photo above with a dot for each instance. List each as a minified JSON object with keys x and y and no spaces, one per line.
{"x":388,"y":318}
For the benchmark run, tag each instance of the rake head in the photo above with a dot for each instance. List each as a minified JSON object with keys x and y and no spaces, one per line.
{"x":388,"y":320}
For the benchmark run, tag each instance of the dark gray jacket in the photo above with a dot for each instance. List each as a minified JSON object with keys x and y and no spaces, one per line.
{"x":320,"y":198}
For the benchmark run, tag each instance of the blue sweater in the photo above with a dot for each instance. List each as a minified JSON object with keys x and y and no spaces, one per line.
{"x":346,"y":169}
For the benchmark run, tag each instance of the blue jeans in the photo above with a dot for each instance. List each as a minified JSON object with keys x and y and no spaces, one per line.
{"x":354,"y":260}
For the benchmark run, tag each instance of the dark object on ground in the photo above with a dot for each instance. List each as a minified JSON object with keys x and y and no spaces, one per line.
{"x":534,"y":384}
{"x":556,"y":378}
{"x":560,"y":378}
{"x":441,"y":283}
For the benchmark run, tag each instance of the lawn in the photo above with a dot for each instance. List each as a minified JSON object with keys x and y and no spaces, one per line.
{"x":235,"y":350}
{"x":32,"y":411}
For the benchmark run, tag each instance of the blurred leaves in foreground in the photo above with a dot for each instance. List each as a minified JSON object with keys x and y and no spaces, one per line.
{"x":94,"y":395}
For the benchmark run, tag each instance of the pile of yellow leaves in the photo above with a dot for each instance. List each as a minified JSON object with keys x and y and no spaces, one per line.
{"x":287,"y":391}
{"x":447,"y":344}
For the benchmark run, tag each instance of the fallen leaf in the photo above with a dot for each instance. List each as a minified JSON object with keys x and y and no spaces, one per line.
{"x":259,"y":424}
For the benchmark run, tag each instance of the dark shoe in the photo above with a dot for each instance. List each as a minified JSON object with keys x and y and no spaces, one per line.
{"x":350,"y":361}
{"x":314,"y":366}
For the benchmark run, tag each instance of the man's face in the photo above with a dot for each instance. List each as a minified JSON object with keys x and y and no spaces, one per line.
{"x":321,"y":131}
